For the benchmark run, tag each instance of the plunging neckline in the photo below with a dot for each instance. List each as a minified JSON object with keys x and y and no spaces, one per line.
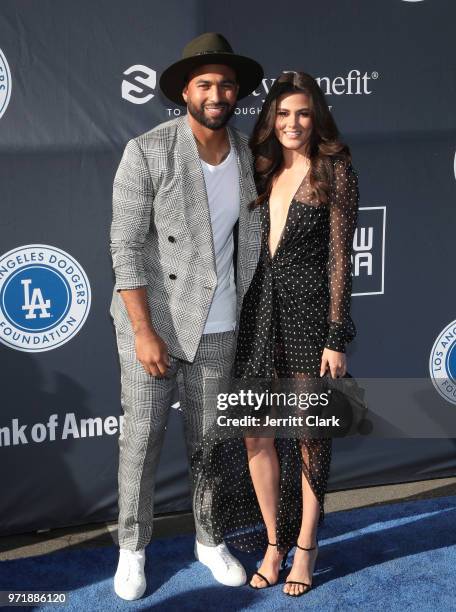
{"x":293,"y":199}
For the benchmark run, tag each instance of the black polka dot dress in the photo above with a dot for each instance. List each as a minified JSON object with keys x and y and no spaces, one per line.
{"x":297,"y":304}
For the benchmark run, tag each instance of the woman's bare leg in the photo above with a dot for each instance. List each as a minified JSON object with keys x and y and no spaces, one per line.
{"x":265,"y":472}
{"x":304,"y":561}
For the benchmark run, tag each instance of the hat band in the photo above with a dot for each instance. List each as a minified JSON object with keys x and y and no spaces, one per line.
{"x":211,"y":51}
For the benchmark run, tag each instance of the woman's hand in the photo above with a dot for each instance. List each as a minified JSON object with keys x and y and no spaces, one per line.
{"x":335,"y":361}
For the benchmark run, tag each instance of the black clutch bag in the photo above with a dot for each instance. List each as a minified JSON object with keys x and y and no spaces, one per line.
{"x":347,"y":410}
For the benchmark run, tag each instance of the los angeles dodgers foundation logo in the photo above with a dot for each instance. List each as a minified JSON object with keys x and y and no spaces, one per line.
{"x":44,"y":298}
{"x":5,"y":83}
{"x":442,"y":364}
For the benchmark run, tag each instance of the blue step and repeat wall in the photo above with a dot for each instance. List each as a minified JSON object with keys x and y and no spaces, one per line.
{"x":78,"y":79}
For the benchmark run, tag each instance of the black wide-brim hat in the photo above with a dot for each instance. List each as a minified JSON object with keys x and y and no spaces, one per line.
{"x":210,"y":48}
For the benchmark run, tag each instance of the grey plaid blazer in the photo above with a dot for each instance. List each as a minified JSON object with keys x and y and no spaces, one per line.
{"x":161,"y":233}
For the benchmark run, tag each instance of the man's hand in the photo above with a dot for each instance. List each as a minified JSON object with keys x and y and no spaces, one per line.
{"x":151,"y":352}
{"x":335,"y":361}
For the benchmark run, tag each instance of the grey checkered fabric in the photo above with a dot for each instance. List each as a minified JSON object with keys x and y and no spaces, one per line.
{"x":161,"y":238}
{"x":146,"y":402}
{"x":161,"y":232}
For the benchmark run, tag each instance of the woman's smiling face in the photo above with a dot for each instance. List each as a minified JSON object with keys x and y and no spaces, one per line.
{"x":293,"y":123}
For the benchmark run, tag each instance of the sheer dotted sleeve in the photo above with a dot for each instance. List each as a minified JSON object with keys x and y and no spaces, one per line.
{"x":344,"y":200}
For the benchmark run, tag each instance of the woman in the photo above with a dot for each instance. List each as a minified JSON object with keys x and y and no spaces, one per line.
{"x":294,"y":324}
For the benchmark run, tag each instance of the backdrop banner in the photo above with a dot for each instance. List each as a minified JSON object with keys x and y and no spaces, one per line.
{"x":80,"y":79}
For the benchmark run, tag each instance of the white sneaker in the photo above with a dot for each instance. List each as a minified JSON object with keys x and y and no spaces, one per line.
{"x":225,"y":568}
{"x":130,"y":581}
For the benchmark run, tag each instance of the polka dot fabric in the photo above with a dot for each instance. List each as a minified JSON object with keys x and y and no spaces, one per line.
{"x":299,"y":299}
{"x":298,"y":303}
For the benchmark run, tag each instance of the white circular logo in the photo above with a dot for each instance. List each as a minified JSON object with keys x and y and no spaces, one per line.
{"x":442,"y":363}
{"x":44,"y":298}
{"x":147,"y":79}
{"x":5,"y":83}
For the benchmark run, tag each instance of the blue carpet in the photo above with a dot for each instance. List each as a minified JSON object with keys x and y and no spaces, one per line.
{"x":395,"y":557}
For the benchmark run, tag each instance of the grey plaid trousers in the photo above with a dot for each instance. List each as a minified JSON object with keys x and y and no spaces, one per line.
{"x":146,"y":402}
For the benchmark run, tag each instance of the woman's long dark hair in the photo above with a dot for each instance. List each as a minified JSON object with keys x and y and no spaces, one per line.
{"x":324,"y":139}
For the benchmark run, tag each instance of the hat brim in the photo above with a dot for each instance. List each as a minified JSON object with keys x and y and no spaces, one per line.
{"x":249,"y":73}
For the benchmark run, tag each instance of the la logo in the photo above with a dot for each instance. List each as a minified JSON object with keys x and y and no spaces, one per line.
{"x":36,"y":302}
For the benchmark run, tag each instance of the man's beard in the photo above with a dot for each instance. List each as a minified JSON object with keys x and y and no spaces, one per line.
{"x":213,"y":123}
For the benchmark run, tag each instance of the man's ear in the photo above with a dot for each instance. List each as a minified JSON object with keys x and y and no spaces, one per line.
{"x":184,"y":93}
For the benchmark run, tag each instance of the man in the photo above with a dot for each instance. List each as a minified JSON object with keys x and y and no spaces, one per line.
{"x":179,"y":191}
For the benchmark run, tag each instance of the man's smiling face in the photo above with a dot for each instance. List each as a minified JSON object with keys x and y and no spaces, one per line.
{"x":211,"y":94}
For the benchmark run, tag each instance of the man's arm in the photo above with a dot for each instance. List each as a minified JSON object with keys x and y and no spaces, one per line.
{"x":132,"y":206}
{"x":132,"y":201}
{"x":150,"y":349}
{"x":135,"y":301}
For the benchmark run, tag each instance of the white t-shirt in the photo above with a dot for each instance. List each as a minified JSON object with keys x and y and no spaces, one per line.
{"x":222,"y":186}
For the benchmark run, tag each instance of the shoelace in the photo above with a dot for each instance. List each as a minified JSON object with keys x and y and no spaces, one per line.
{"x":226,"y":556}
{"x":134,"y":560}
{"x":136,"y":554}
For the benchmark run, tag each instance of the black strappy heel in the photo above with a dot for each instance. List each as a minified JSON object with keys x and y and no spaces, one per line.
{"x":282,"y":567}
{"x":304,"y":584}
